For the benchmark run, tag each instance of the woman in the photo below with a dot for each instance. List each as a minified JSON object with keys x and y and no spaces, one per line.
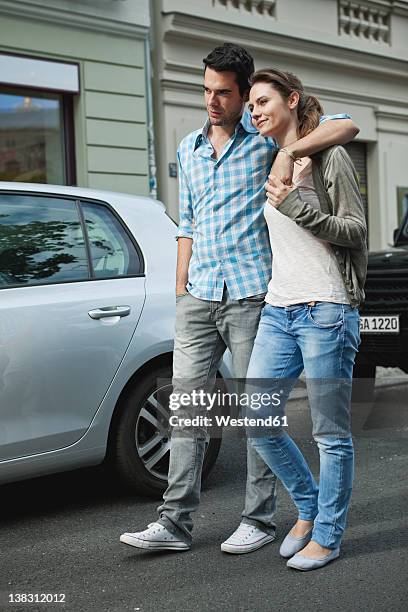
{"x":310,"y":320}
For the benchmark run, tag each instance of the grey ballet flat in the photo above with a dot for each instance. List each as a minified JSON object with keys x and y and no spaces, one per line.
{"x":305,"y":563}
{"x":291,"y":545}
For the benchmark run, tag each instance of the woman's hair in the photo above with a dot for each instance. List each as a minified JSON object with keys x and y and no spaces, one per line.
{"x":309,"y":109}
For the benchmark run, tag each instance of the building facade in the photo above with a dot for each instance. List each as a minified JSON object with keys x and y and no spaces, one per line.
{"x":352,"y":54}
{"x":75,"y":99}
{"x":80,"y":103}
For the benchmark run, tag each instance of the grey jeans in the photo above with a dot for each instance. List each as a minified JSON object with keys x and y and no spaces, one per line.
{"x":204,"y":329}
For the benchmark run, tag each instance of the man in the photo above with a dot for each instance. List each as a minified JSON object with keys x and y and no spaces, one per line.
{"x":223,"y":268}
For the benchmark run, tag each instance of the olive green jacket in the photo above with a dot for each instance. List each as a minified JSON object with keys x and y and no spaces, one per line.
{"x":341,"y":220}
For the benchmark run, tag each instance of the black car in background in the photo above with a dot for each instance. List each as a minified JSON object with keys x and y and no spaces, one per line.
{"x":384,"y":315}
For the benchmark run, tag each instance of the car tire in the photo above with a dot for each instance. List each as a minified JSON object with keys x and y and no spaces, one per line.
{"x":363,"y":382}
{"x":138,"y":443}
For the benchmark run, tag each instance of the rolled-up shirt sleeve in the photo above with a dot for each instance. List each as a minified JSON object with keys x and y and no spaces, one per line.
{"x":325,"y":118}
{"x":185,"y":229}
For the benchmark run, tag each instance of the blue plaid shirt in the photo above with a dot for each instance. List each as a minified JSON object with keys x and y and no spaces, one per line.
{"x":221,"y":209}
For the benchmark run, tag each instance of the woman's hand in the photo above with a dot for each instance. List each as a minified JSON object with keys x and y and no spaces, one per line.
{"x":276,"y":191}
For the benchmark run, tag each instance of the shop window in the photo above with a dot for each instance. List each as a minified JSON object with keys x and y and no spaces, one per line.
{"x":36,"y":137}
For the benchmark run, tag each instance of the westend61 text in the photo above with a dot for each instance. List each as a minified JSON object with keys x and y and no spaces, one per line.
{"x":227,"y":421}
{"x":208,"y":400}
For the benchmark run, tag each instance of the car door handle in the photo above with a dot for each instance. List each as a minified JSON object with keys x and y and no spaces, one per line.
{"x":109,"y":311}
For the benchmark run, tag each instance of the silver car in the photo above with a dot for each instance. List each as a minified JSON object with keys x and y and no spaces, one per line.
{"x":87,"y":313}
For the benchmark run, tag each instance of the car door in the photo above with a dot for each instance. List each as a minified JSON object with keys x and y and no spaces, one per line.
{"x":71,"y":293}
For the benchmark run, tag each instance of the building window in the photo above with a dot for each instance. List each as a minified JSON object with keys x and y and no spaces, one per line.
{"x":358,"y":154}
{"x":36,"y":137}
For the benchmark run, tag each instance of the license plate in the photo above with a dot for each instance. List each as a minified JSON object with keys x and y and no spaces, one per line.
{"x":380,"y":324}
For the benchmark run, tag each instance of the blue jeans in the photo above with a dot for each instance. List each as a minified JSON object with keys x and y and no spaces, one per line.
{"x":204,"y":329}
{"x":323,"y":340}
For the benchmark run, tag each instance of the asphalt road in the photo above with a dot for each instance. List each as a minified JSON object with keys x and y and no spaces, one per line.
{"x":60,"y":534}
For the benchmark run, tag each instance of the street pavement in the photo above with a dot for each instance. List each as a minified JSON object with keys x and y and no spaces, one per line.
{"x":60,"y":534}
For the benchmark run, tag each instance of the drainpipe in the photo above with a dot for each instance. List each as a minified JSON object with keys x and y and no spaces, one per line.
{"x":150,"y":121}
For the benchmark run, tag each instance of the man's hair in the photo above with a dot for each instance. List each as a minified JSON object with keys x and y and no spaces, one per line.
{"x":232,"y":58}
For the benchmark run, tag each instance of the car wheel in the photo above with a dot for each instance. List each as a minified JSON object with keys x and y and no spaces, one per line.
{"x":363,"y":382}
{"x":142,"y":441}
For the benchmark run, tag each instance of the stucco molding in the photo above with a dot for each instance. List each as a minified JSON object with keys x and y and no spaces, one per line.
{"x":60,"y":16}
{"x":181,"y":93}
{"x":182,"y":27}
{"x":385,"y":4}
{"x":392,"y":114}
{"x":386,"y":126}
{"x":317,"y":55}
{"x":400,"y":7}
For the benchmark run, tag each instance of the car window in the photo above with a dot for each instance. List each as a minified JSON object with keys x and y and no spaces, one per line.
{"x":401,"y":233}
{"x":404,"y":232}
{"x":112,"y":251}
{"x":41,"y":241}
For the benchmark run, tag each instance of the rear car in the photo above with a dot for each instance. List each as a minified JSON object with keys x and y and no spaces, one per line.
{"x":384,"y":315}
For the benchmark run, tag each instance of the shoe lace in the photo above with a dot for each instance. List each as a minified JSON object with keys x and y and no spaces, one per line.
{"x":155,"y":527}
{"x":245,"y":530}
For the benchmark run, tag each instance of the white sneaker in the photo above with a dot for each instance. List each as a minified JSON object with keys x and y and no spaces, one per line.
{"x":155,"y":537}
{"x":245,"y":539}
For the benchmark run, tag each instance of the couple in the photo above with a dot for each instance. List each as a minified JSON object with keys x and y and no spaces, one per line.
{"x":306,"y":318}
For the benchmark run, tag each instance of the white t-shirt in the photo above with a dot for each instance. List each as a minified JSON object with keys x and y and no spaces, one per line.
{"x":304,"y":268}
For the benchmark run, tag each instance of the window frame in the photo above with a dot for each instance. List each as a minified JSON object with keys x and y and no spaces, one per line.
{"x":69,"y":140}
{"x":77,"y":203}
